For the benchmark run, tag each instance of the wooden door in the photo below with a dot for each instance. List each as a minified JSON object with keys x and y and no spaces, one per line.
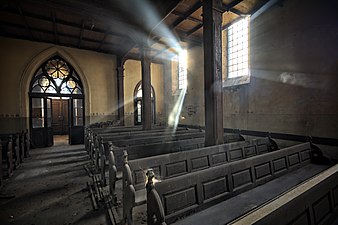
{"x":41,"y":122}
{"x":60,"y":116}
{"x":76,"y":115}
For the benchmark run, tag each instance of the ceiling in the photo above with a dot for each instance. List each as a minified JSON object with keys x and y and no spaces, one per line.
{"x":115,"y":26}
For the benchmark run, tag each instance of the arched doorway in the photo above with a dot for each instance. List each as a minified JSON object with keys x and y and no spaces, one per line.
{"x":138,"y":104}
{"x":56,"y":103}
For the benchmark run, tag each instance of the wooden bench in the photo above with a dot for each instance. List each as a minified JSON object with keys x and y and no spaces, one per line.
{"x":140,"y":151}
{"x":96,"y":150}
{"x":127,"y":133}
{"x":176,"y":164}
{"x":90,"y":133}
{"x":7,"y":154}
{"x":184,"y":195}
{"x":312,"y":202}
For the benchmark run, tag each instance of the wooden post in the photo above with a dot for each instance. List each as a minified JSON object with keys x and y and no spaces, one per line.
{"x":120,"y":89}
{"x":146,"y":89}
{"x":212,"y":40}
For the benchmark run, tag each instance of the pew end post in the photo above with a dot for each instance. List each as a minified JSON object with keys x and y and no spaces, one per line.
{"x":112,"y":172}
{"x":129,"y":193}
{"x":155,"y":210}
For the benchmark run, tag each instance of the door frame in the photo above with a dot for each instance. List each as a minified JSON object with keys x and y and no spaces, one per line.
{"x":76,"y":133}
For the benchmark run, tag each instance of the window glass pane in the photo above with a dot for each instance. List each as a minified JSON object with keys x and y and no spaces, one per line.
{"x":238,"y":49}
{"x":182,"y":69}
{"x":78,"y":112}
{"x":37,"y":89}
{"x":37,"y":112}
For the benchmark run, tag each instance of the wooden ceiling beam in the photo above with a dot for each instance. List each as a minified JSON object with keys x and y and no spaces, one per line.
{"x":55,"y":27}
{"x":23,"y":17}
{"x":63,"y":22}
{"x":81,"y":34}
{"x":52,"y":33}
{"x":194,"y":29}
{"x":196,"y":20}
{"x":190,"y":11}
{"x":228,"y":7}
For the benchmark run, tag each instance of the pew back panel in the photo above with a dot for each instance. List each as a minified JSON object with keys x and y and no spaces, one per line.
{"x":195,"y":191}
{"x":170,"y":165}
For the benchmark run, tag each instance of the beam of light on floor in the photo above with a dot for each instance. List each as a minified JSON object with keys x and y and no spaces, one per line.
{"x":174,"y":115}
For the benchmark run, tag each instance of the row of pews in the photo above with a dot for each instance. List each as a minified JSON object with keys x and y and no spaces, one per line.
{"x":14,"y":149}
{"x":172,"y":178}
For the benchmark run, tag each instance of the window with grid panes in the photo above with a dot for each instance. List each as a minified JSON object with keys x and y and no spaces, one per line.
{"x":182,"y":69}
{"x":238,"y":48}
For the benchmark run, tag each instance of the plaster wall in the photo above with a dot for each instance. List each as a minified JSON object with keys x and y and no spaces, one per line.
{"x":19,"y":60}
{"x":133,"y":75}
{"x":294,"y":73}
{"x":192,"y":111}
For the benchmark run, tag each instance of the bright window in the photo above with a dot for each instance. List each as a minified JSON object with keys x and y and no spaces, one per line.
{"x":182,"y":69}
{"x":238,"y":48}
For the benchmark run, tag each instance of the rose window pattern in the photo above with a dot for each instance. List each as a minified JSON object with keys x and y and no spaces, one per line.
{"x":56,"y":76}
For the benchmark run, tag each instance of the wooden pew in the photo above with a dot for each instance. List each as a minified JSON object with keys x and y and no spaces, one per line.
{"x":7,"y":153}
{"x":145,"y":139}
{"x":176,"y":164}
{"x":312,"y":202}
{"x":140,"y":151}
{"x":22,"y":146}
{"x":27,"y":144}
{"x":131,"y":133}
{"x":153,"y":139}
{"x":180,"y":196}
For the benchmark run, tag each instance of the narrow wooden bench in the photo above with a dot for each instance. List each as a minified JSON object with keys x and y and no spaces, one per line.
{"x":142,"y":151}
{"x":184,"y":195}
{"x":177,"y":164}
{"x":7,"y":154}
{"x":137,"y":138}
{"x":128,"y":133}
{"x":312,"y":202}
{"x":153,"y":139}
{"x":136,"y":143}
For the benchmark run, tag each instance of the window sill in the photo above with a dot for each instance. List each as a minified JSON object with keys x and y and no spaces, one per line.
{"x":230,"y":82}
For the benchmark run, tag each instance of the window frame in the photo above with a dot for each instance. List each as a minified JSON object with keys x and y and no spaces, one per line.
{"x":241,"y":79}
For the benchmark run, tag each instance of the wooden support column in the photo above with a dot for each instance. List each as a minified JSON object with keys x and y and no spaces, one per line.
{"x":120,"y":89}
{"x":146,"y":89}
{"x":212,"y":40}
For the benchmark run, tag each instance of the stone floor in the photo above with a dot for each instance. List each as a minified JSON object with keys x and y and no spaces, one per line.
{"x":50,"y":188}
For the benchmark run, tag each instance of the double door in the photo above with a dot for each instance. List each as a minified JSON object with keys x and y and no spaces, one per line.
{"x":44,"y":120}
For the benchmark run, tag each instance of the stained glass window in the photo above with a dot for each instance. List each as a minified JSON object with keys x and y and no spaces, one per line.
{"x":56,"y":76}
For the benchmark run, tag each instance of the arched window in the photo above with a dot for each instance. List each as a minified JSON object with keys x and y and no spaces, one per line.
{"x":138,"y":103}
{"x":56,"y":76}
{"x":56,"y":103}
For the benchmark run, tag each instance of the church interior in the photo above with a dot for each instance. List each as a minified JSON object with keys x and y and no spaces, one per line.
{"x":200,"y":112}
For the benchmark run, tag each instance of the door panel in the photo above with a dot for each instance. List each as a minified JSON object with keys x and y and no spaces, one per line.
{"x":60,"y":116}
{"x":57,"y":126}
{"x":76,"y":116}
{"x":65,"y":124}
{"x":41,"y":122}
{"x":38,"y":122}
{"x":49,"y":118}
